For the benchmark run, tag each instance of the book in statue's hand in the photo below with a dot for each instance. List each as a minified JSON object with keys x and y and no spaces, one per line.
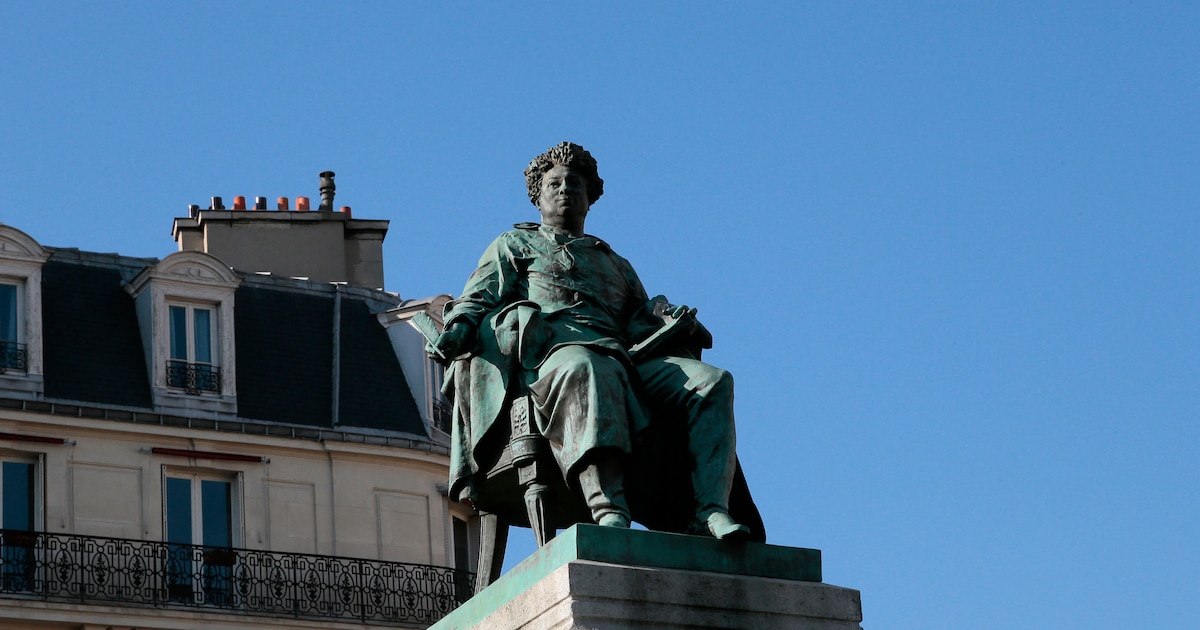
{"x":429,"y":329}
{"x":682,"y":335}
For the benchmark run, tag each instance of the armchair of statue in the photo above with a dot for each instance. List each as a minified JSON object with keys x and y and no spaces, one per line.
{"x":503,"y":466}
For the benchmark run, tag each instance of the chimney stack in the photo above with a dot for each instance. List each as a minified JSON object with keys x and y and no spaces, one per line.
{"x":327,"y":188}
{"x":325,"y":246}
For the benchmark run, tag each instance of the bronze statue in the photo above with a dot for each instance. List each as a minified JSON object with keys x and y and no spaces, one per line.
{"x":554,"y":320}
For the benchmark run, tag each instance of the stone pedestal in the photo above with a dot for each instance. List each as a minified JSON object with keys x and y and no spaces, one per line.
{"x":607,"y":579}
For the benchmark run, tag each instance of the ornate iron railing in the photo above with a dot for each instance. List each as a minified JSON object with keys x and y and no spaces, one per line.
{"x":12,"y":356}
{"x":193,"y":377}
{"x":96,"y":570}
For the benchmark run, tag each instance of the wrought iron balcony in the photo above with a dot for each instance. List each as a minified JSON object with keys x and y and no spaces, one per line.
{"x":12,"y":356}
{"x":193,"y":377}
{"x":115,"y":571}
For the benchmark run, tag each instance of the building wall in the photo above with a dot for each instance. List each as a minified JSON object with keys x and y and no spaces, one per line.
{"x":37,"y":615}
{"x":321,"y":436}
{"x":331,"y":498}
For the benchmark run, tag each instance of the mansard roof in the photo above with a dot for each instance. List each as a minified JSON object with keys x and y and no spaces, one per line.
{"x":285,"y":335}
{"x":92,"y":343}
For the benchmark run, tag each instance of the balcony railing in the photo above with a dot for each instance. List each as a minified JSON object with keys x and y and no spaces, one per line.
{"x":193,"y":377}
{"x":95,"y":570}
{"x":12,"y":357}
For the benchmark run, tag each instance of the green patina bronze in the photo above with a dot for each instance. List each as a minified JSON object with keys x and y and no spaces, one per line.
{"x":564,"y":371}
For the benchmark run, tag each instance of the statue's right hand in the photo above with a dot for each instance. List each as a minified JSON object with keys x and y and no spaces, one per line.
{"x":452,"y":342}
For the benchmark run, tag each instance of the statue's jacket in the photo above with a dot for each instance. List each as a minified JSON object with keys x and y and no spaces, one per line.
{"x":536,"y":289}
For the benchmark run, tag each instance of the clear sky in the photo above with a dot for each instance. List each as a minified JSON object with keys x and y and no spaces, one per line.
{"x":949,"y":250}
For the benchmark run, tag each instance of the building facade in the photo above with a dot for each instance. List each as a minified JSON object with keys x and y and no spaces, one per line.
{"x":243,"y":434}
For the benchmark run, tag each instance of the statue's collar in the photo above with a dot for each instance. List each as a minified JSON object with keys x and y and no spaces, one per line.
{"x":561,"y":237}
{"x":559,"y":234}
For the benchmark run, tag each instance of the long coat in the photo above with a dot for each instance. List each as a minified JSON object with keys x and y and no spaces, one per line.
{"x":600,"y":303}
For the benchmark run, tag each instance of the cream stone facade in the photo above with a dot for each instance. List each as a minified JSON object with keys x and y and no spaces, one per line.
{"x":186,"y":444}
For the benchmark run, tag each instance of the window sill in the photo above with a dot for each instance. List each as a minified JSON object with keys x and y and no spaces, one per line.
{"x":16,"y":384}
{"x":179,"y":402}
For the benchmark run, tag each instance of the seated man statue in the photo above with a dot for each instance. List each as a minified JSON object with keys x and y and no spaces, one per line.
{"x":557,"y":313}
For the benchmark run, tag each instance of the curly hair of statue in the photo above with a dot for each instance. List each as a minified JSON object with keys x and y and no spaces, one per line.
{"x":566,"y":154}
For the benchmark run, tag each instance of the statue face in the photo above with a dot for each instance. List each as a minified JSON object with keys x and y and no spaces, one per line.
{"x":563,"y":201}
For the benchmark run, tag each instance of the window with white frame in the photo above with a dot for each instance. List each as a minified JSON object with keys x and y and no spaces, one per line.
{"x":464,"y":536}
{"x":440,"y":412}
{"x":20,"y":516}
{"x":462,"y":544}
{"x":185,"y":311}
{"x":20,"y":492}
{"x":202,"y":523}
{"x":192,"y":365}
{"x":13,"y":355}
{"x":21,"y":261}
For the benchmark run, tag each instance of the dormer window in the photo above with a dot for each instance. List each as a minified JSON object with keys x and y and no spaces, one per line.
{"x":21,"y":261}
{"x":13,"y":352}
{"x":193,"y":364}
{"x":185,"y":310}
{"x":423,"y":375}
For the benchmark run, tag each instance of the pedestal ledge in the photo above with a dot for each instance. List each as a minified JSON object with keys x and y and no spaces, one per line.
{"x":608,"y":578}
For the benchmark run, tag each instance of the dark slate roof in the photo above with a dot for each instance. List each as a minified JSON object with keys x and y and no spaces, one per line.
{"x":284,"y":356}
{"x":92,"y":346}
{"x":284,"y":336}
{"x":367,"y":357}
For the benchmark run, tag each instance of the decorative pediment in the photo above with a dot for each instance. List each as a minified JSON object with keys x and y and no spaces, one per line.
{"x":17,"y":245}
{"x":195,"y":268}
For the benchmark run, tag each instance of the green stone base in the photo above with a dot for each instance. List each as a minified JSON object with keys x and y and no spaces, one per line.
{"x":625,"y":549}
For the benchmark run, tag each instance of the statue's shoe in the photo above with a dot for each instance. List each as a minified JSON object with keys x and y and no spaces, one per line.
{"x":723,"y":527}
{"x":615,"y":519}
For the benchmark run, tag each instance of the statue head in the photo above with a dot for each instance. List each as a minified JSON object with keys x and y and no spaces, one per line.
{"x":566,"y":154}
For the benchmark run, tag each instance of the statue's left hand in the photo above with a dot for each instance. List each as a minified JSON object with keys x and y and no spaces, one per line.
{"x":452,"y":342}
{"x":687,"y":315}
{"x":682,"y":311}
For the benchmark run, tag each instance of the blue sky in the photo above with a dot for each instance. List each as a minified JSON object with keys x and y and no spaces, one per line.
{"x":949,"y":250}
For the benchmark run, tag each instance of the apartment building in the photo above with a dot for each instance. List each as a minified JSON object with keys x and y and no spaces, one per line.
{"x":243,"y":434}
